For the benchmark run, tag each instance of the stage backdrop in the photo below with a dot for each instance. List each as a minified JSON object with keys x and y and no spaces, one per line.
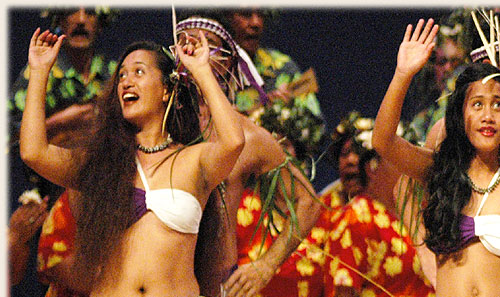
{"x":352,"y":50}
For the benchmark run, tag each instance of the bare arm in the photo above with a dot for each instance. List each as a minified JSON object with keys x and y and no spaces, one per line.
{"x":413,"y":53}
{"x":219,"y":156}
{"x":49,"y":161}
{"x":249,"y":279}
{"x":411,"y":213}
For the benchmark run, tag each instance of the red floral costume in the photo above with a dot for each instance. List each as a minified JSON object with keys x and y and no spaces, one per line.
{"x":368,"y":238}
{"x":56,"y":243}
{"x":302,"y":273}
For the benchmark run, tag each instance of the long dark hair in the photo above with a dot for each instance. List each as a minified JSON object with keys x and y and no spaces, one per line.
{"x":106,"y":178}
{"x":447,"y":184}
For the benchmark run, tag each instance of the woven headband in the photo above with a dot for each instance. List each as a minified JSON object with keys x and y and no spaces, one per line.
{"x":247,"y":71}
{"x":481,"y":52}
{"x":209,"y":25}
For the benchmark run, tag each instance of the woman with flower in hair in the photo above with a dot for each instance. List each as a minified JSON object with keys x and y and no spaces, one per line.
{"x":144,"y":176}
{"x":460,"y":174}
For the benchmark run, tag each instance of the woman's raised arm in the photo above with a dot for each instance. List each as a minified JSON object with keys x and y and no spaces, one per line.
{"x":218,"y":157}
{"x":51,"y":162}
{"x":413,"y":53}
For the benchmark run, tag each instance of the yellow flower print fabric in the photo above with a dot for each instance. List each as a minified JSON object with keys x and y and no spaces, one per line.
{"x":367,"y":238}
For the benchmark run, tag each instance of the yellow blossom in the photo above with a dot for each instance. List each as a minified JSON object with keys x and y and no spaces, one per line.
{"x":378,"y":206}
{"x":362,"y":211}
{"x":335,"y":234}
{"x":59,"y":246}
{"x":393,"y":266}
{"x":346,"y":240}
{"x":303,"y":288}
{"x":399,"y":247}
{"x":244,"y":217}
{"x":375,"y":253}
{"x":343,"y":278}
{"x":319,"y":234}
{"x":358,"y":255}
{"x":252,"y":203}
{"x":48,"y":225}
{"x":316,"y":254}
{"x":382,"y":220}
{"x":334,"y":265}
{"x":399,"y":228}
{"x":53,"y":260}
{"x":368,"y":293}
{"x":305,"y":267}
{"x":256,"y":251}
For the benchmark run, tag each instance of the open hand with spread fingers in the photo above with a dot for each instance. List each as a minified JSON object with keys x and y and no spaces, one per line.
{"x":416,"y":48}
{"x":43,"y":50}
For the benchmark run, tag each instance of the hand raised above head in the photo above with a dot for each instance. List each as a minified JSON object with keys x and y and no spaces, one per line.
{"x":43,"y":50}
{"x":195,"y":53}
{"x":416,"y":48}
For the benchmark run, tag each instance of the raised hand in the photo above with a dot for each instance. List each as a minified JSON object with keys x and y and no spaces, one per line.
{"x":194,"y":54}
{"x":43,"y":50}
{"x":416,"y":48}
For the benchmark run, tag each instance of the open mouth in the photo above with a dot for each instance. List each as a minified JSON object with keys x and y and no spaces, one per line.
{"x":130,"y":97}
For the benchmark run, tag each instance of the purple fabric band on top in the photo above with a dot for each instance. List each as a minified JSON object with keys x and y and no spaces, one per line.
{"x":139,"y":203}
{"x":467,"y":229}
{"x":467,"y":234}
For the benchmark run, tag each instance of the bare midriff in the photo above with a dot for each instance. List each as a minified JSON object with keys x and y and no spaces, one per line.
{"x":156,"y":261}
{"x":471,"y":272}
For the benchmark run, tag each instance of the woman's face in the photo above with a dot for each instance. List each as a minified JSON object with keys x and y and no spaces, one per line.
{"x":140,"y":88}
{"x":482,"y":115}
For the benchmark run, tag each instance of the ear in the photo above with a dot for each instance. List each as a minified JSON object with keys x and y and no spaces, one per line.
{"x":371,"y":168}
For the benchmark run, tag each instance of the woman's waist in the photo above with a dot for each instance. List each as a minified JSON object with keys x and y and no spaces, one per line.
{"x":150,"y":286}
{"x":472,"y":271}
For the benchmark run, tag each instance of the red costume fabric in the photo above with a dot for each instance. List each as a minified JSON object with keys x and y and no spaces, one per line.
{"x":369,"y":239}
{"x":56,"y":243}
{"x":302,"y":273}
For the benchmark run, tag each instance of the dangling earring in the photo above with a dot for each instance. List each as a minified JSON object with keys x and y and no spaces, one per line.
{"x":170,"y":100}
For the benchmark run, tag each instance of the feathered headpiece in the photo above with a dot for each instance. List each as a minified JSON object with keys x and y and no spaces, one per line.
{"x":246,"y":73}
{"x":490,"y":46}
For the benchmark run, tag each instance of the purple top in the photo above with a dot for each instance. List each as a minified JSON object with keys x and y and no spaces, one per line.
{"x":467,"y":234}
{"x":140,"y":203}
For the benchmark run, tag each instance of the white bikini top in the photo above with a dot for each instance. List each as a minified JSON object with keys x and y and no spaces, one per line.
{"x":487,"y":227}
{"x":177,"y":209}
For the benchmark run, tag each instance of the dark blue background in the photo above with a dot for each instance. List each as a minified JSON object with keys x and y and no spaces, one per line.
{"x":352,"y":50}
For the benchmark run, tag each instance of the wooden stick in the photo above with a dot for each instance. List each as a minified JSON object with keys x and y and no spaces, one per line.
{"x":492,"y":36}
{"x":174,"y":23}
{"x":497,"y":28}
{"x":483,"y":38}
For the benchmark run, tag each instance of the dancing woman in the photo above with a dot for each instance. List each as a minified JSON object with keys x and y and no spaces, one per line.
{"x":462,"y":213}
{"x":144,"y":178}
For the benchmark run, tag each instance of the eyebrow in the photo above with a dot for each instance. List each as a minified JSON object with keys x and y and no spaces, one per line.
{"x":138,"y":62}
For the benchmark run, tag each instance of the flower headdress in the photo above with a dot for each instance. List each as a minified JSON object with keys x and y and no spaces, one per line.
{"x":105,"y":14}
{"x":296,"y":122}
{"x":245,"y":73}
{"x":360,"y":130}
